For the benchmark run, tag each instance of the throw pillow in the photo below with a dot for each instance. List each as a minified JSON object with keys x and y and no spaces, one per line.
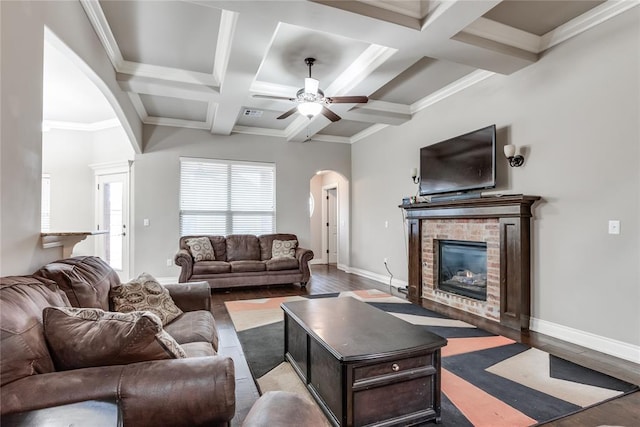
{"x":86,"y":337}
{"x":283,"y":249}
{"x":201,"y":249}
{"x":145,"y":294}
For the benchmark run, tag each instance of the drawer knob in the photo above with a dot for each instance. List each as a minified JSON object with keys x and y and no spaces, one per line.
{"x":395,"y":367}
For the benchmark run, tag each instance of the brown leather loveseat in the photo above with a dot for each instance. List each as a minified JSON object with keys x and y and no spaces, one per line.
{"x":243,"y":260}
{"x":194,"y":391}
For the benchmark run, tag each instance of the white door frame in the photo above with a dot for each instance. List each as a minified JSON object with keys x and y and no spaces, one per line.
{"x":112,"y":168}
{"x":325,"y":234}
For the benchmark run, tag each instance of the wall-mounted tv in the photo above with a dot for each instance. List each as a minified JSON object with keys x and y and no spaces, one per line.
{"x":461,"y":164}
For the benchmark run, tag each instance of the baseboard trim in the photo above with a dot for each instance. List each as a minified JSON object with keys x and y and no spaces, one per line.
{"x":317,"y":261}
{"x":396,"y":283}
{"x":595,"y":342}
{"x":167,"y":280}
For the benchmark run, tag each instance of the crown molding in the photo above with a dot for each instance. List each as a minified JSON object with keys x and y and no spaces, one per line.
{"x":248,"y":130}
{"x":455,"y":87}
{"x":101,"y":26}
{"x":367,"y":132}
{"x":331,"y":138}
{"x":582,"y":23}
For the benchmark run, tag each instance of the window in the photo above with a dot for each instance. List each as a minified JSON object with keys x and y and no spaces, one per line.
{"x":226,"y":197}
{"x":312,"y":204}
{"x":45,"y":204}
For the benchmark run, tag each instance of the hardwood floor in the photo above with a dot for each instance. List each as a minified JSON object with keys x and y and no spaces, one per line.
{"x":624,"y":411}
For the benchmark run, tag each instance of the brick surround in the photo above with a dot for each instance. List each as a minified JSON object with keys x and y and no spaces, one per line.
{"x":464,"y":229}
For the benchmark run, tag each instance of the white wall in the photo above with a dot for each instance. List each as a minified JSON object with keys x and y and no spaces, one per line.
{"x":66,"y":157}
{"x":577,"y":112}
{"x":156,"y":184}
{"x":21,"y":55}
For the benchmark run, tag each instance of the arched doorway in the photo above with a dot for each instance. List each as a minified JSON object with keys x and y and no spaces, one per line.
{"x":329,"y":219}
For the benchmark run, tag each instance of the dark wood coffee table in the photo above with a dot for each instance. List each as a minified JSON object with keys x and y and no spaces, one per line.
{"x":362,"y":365}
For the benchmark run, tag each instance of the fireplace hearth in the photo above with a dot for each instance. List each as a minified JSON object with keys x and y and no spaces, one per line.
{"x":462,"y":268}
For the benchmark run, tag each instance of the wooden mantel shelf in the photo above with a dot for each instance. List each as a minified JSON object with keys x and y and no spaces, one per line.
{"x":66,"y":239}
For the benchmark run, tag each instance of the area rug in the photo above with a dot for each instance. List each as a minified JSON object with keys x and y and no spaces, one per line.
{"x":487,"y":379}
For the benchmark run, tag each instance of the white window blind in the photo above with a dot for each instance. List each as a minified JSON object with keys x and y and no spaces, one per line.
{"x":226,"y":197}
{"x":45,"y":204}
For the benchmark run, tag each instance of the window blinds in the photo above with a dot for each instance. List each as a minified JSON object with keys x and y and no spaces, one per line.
{"x":224,"y":197}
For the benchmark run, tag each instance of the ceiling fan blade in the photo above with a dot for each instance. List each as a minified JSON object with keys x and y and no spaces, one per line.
{"x":311,"y":85}
{"x":330,"y":114}
{"x":287,"y":114}
{"x":347,"y":100}
{"x":274,"y":97}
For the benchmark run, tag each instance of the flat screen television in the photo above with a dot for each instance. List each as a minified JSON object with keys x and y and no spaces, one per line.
{"x":461,"y":164}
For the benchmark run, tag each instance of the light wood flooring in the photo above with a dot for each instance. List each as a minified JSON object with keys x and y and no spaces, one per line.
{"x":624,"y":411}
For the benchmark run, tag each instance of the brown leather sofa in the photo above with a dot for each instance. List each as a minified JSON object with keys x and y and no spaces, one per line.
{"x":244,"y":260}
{"x":195,"y":391}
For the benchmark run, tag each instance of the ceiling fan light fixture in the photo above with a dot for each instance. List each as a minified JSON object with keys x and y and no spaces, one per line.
{"x":309,"y":109}
{"x":311,"y":85}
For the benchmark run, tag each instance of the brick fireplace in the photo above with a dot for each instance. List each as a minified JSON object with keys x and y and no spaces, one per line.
{"x":464,"y":230}
{"x":503,"y":224}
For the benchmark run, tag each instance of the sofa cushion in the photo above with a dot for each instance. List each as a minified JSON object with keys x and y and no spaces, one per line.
{"x":284,"y":249}
{"x":86,"y":280}
{"x":194,"y":326}
{"x":243,"y":247}
{"x":247,"y":266}
{"x":201,"y":249}
{"x":266,"y":243}
{"x":87,"y":337}
{"x":219,"y":244}
{"x":24,"y":348}
{"x":145,"y":294}
{"x":211,"y":267}
{"x":277,"y":264}
{"x":198,"y":349}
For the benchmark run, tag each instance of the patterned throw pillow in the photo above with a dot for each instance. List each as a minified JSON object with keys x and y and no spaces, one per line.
{"x":201,"y":249}
{"x":86,"y":337}
{"x":145,"y":294}
{"x":283,"y":249}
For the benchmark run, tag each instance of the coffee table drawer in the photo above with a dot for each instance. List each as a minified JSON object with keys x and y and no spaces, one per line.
{"x":398,"y":366}
{"x":411,"y":400}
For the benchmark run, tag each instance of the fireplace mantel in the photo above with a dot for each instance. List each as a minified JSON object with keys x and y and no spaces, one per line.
{"x":513,"y":215}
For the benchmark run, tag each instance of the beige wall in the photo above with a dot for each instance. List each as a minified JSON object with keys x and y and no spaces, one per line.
{"x":577,"y":113}
{"x":156,"y":188}
{"x":21,"y":48}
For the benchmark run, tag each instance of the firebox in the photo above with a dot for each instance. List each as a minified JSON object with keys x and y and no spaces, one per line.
{"x":462,"y":268}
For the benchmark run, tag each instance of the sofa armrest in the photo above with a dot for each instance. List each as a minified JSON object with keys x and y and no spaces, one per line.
{"x":304,"y":256}
{"x":176,"y":392}
{"x":184,"y":259}
{"x":186,"y":392}
{"x":191,"y":296}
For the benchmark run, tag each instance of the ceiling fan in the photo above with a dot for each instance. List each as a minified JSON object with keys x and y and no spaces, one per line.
{"x":311,"y":100}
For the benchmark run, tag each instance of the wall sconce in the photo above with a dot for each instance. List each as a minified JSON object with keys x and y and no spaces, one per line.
{"x":515,"y":160}
{"x":414,"y":175}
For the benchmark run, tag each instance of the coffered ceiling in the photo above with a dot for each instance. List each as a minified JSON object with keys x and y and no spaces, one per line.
{"x":199,"y":64}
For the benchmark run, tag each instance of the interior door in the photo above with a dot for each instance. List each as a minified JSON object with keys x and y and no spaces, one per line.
{"x":332,"y":225}
{"x":113,"y":215}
